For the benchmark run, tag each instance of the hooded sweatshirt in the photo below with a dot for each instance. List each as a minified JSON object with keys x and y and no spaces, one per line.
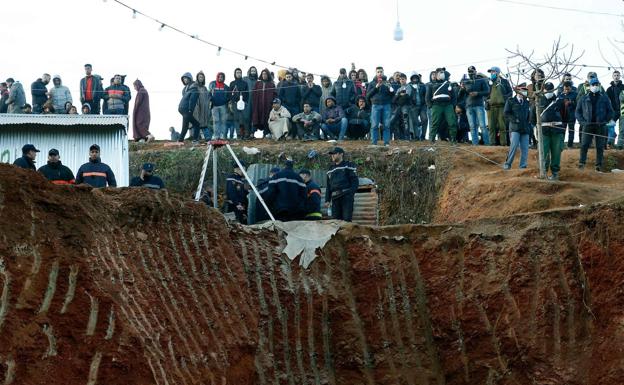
{"x":17,"y":98}
{"x":219,"y":92}
{"x":202,"y":109}
{"x":141,"y":114}
{"x":60,"y":95}
{"x":239,"y":87}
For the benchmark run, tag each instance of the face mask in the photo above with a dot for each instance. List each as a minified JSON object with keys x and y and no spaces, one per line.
{"x":524,"y":93}
{"x":594,"y":89}
{"x":493,"y":76}
{"x":549,"y":95}
{"x":441,"y":76}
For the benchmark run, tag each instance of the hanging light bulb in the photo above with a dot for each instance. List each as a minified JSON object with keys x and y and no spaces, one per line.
{"x":398,"y":32}
{"x":219,"y":51}
{"x":134,"y":12}
{"x":162,"y":26}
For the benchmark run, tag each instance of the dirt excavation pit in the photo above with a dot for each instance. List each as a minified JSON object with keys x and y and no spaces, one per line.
{"x":132,"y":287}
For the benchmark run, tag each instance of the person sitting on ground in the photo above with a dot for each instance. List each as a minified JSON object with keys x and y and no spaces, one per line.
{"x":288,"y":192}
{"x":307,"y":123}
{"x":55,"y":171}
{"x":94,"y":172}
{"x":334,"y":120}
{"x":86,"y":109}
{"x":517,"y":114}
{"x":263,"y":189}
{"x":313,"y":196}
{"x":175,"y":135}
{"x":147,"y":178}
{"x":27,"y":160}
{"x":359,"y":119}
{"x":552,"y":129}
{"x":48,"y":108}
{"x":279,"y":120}
{"x":342,"y":184}
{"x":27,"y":109}
{"x":236,"y":194}
{"x":73,"y":110}
{"x":68,"y":106}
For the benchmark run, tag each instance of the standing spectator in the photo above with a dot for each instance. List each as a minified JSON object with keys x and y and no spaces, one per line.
{"x":613,"y":92}
{"x":116,"y":96}
{"x":537,"y":84}
{"x":568,"y":96}
{"x":279,"y":120}
{"x":147,"y":178}
{"x":240,"y":91}
{"x":419,"y":119}
{"x":17,"y":97}
{"x":403,"y":108}
{"x":127,"y":93}
{"x":380,"y":93}
{"x":312,"y":206}
{"x":55,"y":171}
{"x":335,"y":122}
{"x":202,"y":109}
{"x":39,"y":93}
{"x":583,"y":89}
{"x":552,"y":129}
{"x":174,"y":135}
{"x":250,"y":79}
{"x":190,"y":95}
{"x":342,"y":184}
{"x":219,"y":96}
{"x":96,"y":173}
{"x":500,"y":92}
{"x":287,"y":191}
{"x":290,"y":95}
{"x":360,"y":82}
{"x":517,"y":111}
{"x":262,"y":100}
{"x":4,"y":96}
{"x":307,"y":123}
{"x":59,"y":95}
{"x":567,"y":77}
{"x":27,"y":160}
{"x":141,"y":114}
{"x":477,"y":88}
{"x":359,"y":119}
{"x":91,"y":89}
{"x":344,"y":90}
{"x":440,"y":98}
{"x":236,"y":194}
{"x":326,"y":89}
{"x":593,"y":111}
{"x":311,"y":93}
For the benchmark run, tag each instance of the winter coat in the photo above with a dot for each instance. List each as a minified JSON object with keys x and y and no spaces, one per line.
{"x":57,"y":173}
{"x":336,"y":112}
{"x":344,"y":92}
{"x":39,"y":91}
{"x":403,"y":96}
{"x":380,"y":95}
{"x":500,"y":91}
{"x":517,"y":115}
{"x":219,"y":96}
{"x":190,"y":94}
{"x":569,"y":106}
{"x":440,"y":93}
{"x":357,"y":115}
{"x":311,"y":95}
{"x":552,"y":123}
{"x":141,"y":113}
{"x":251,"y":82}
{"x":262,"y":102}
{"x":342,"y":180}
{"x":96,"y":174}
{"x":279,"y":122}
{"x":25,"y":162}
{"x":116,"y":96}
{"x":149,"y":181}
{"x":481,"y":87}
{"x":97,"y":89}
{"x":312,"y":206}
{"x":290,"y":94}
{"x":419,"y":92}
{"x":603,"y":113}
{"x":3,"y":98}
{"x":287,"y":191}
{"x":17,"y":99}
{"x":583,"y":90}
{"x":613,"y":93}
{"x":59,"y":96}
{"x":239,"y":88}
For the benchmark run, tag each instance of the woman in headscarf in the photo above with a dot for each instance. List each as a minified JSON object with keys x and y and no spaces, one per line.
{"x":141,"y":114}
{"x":262,"y":101}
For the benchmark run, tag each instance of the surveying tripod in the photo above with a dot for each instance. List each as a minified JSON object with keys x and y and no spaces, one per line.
{"x":213,"y":146}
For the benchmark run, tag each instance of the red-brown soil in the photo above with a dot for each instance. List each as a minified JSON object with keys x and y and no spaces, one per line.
{"x":167,"y":293}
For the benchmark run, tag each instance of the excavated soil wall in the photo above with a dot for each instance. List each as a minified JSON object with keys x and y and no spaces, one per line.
{"x":135,"y":287}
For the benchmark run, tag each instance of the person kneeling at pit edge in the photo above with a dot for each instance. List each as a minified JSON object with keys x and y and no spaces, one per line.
{"x":342,"y":184}
{"x":147,"y":178}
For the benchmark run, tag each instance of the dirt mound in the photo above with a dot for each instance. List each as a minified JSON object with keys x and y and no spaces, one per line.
{"x":136,"y":287}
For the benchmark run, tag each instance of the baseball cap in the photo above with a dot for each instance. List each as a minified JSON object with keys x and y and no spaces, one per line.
{"x":494,"y":69}
{"x":149,"y":167}
{"x":94,"y":147}
{"x":29,"y":147}
{"x":472,"y":68}
{"x":593,"y":81}
{"x":336,"y":150}
{"x":53,"y":151}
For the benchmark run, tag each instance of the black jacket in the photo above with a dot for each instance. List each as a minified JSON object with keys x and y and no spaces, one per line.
{"x":311,"y":95}
{"x":481,"y":87}
{"x":380,"y":95}
{"x":242,"y":88}
{"x":585,"y":114}
{"x":342,"y":180}
{"x":419,"y":92}
{"x":290,"y":94}
{"x":313,"y":200}
{"x":190,"y":95}
{"x":38,"y":91}
{"x":345,"y":96}
{"x":235,"y":190}
{"x":551,"y":113}
{"x":440,"y":93}
{"x":150,"y":181}
{"x":613,"y":93}
{"x":287,"y":192}
{"x":569,"y":106}
{"x":57,"y":173}
{"x":263,"y":189}
{"x":517,"y":114}
{"x":25,"y":162}
{"x":96,"y":174}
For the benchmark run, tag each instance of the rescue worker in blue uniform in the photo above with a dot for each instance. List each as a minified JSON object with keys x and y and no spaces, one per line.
{"x":55,"y":171}
{"x":313,"y":196}
{"x":147,"y":178}
{"x":263,"y":189}
{"x":342,"y":184}
{"x":236,"y":194}
{"x":96,"y":173}
{"x":287,"y":191}
{"x":27,"y":160}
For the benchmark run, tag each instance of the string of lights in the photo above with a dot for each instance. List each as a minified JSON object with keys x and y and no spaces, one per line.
{"x":544,"y":6}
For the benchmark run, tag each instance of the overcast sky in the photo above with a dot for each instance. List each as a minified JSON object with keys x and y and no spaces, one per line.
{"x":59,"y":37}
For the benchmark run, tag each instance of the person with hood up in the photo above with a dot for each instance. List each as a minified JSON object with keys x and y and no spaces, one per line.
{"x":55,"y":171}
{"x":478,"y":89}
{"x":343,"y":90}
{"x":219,"y":96}
{"x":553,"y":129}
{"x":39,"y":92}
{"x":91,"y":89}
{"x":279,"y":120}
{"x":262,"y":101}
{"x":17,"y":97}
{"x":27,"y":160}
{"x":141,"y":114}
{"x":116,"y":96}
{"x":96,"y":173}
{"x":59,"y":94}
{"x":240,"y":91}
{"x":250,"y":79}
{"x":500,"y":92}
{"x":202,"y":111}
{"x":441,"y":98}
{"x":190,"y":95}
{"x":326,"y":88}
{"x":86,"y":109}
{"x":335,"y":122}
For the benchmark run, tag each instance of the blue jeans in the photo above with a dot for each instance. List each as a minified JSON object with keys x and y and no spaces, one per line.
{"x":219,"y":119}
{"x":476,"y":120}
{"x":380,"y":113}
{"x":611,"y":134}
{"x":522,"y":141}
{"x":336,"y":129}
{"x":207,"y":132}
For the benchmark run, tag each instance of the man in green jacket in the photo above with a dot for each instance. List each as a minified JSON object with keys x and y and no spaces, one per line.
{"x":500,"y":91}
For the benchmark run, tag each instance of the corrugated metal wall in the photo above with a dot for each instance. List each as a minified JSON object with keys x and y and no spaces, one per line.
{"x":73,"y":144}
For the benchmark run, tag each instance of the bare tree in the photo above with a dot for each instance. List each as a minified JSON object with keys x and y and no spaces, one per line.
{"x":561,"y":59}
